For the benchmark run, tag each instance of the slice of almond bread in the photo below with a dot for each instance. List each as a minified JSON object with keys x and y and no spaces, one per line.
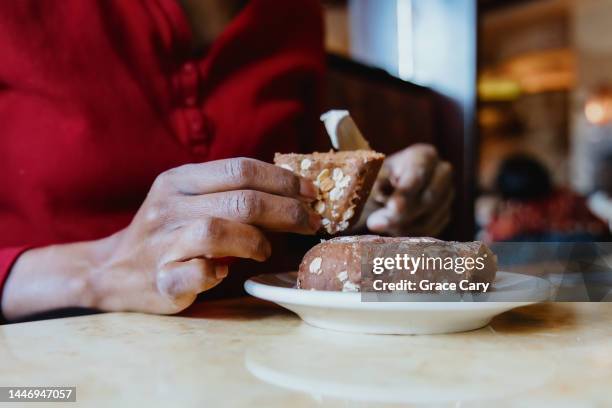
{"x":344,"y":180}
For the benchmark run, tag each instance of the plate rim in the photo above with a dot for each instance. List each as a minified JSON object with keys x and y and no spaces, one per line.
{"x":352,"y":300}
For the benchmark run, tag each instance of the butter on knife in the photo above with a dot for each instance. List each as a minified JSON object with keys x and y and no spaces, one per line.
{"x":343,"y":132}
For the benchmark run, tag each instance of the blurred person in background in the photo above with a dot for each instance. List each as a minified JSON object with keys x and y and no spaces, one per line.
{"x":531,"y":208}
{"x":600,"y":202}
{"x":132,"y":134}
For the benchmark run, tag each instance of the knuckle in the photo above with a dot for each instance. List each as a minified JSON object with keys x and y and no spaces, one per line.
{"x":207,"y":229}
{"x":297,"y":213}
{"x":290,"y":183}
{"x":398,"y":204}
{"x":240,"y":170}
{"x":430,"y":149}
{"x":156,"y":213}
{"x":262,"y":247}
{"x":446,"y":167}
{"x":176,"y":286}
{"x":167,"y":283}
{"x":426,"y":150}
{"x":246,"y":205}
{"x":163,"y":182}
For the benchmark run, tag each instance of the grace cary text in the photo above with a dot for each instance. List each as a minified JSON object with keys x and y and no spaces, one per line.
{"x":426,"y":285}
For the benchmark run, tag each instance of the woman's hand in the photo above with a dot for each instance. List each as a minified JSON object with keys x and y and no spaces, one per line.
{"x":413,"y":194}
{"x":192,"y":218}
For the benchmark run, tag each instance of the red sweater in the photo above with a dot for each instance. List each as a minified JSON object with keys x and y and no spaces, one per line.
{"x":99,"y":97}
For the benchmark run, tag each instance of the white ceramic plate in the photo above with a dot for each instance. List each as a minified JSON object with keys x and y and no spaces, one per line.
{"x":345,"y":311}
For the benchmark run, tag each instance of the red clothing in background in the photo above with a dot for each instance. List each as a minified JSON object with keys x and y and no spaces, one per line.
{"x":99,"y":97}
{"x":561,"y":213}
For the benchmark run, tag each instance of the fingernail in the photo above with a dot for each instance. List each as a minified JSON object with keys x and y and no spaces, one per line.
{"x":267,"y":250}
{"x":307,"y":189}
{"x":221,"y":271}
{"x":376,"y":225}
{"x":377,"y":221}
{"x":314,"y":220}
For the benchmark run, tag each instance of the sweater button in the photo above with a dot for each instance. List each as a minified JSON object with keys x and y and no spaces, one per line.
{"x":190,"y":101}
{"x":189,"y":68}
{"x":196,"y":125}
{"x":189,"y":77}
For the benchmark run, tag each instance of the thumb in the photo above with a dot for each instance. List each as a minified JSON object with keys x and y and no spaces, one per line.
{"x":186,"y":279}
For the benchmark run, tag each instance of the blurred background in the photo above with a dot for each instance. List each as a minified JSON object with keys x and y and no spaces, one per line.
{"x":516,"y":93}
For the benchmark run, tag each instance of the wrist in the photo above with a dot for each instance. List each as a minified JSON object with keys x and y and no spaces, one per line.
{"x":97,"y":273}
{"x":53,"y":277}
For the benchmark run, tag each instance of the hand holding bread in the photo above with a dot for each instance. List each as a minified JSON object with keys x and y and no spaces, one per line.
{"x":413,"y":194}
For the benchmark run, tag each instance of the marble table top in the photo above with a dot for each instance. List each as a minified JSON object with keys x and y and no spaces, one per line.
{"x":245,"y":352}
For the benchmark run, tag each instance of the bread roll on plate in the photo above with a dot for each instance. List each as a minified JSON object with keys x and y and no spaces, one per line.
{"x":335,"y":265}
